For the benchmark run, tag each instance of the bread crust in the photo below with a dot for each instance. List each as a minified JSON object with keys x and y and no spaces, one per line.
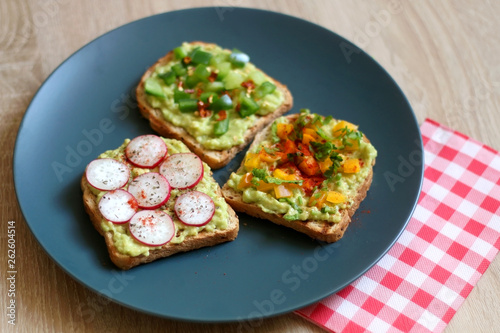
{"x":216,"y":159}
{"x":320,"y":230}
{"x":125,"y":262}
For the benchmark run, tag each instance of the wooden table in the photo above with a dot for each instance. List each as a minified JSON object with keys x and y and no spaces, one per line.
{"x":443,"y":54}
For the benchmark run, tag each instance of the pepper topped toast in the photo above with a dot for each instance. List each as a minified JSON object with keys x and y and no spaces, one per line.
{"x":306,"y":172}
{"x":213,"y":99}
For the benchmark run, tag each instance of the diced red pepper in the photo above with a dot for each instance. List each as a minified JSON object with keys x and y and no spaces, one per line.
{"x":221,"y":115}
{"x":309,"y":166}
{"x":289,"y":147}
{"x":212,"y":77}
{"x":248,"y":85}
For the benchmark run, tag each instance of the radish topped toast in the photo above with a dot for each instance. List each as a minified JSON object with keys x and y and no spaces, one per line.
{"x":306,"y":172}
{"x":151,"y":198}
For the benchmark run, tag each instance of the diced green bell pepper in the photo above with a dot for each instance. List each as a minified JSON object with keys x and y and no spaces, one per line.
{"x":153,"y":87}
{"x":223,"y":103}
{"x":180,"y":53}
{"x":264,"y":89}
{"x":168,"y":77}
{"x":188,"y":105}
{"x":215,"y":86}
{"x":233,"y":80}
{"x":206,"y":95}
{"x":247,"y":106}
{"x":221,"y":127}
{"x":201,"y":57}
{"x":223,"y":69}
{"x":179,"y":94}
{"x":201,"y":71}
{"x":179,"y":70}
{"x":192,"y":81}
{"x":238,"y":58}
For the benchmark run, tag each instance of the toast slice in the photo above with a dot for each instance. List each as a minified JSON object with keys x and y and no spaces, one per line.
{"x":240,"y":193}
{"x":126,"y":252}
{"x":215,"y":155}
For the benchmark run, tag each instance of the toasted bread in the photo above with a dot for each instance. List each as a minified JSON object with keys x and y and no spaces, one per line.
{"x":125,"y":261}
{"x":320,"y":230}
{"x":214,"y":158}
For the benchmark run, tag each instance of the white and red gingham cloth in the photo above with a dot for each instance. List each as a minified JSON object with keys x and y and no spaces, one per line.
{"x":449,"y":243}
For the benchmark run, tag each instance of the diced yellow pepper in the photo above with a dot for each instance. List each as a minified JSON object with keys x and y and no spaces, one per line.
{"x":318,"y":199}
{"x":281,"y":191}
{"x":306,"y":139}
{"x":325,"y":165}
{"x":311,"y":132}
{"x":283,"y":130}
{"x":335,"y":197}
{"x":281,"y":174}
{"x":246,"y":181}
{"x":352,"y":165}
{"x":354,"y":145}
{"x":268,"y":158}
{"x":252,"y":161}
{"x":342,"y":124}
{"x":265,"y":187}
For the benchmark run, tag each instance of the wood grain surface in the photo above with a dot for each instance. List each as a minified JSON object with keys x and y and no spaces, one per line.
{"x":443,"y":54}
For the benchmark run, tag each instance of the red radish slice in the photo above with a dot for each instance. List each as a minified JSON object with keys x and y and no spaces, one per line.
{"x":150,"y":189}
{"x":152,"y":227}
{"x":107,"y":174}
{"x":194,"y":208}
{"x":118,"y":206}
{"x":146,"y":151}
{"x":183,"y":170}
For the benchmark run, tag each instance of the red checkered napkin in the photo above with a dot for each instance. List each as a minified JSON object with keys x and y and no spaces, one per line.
{"x":449,"y":242}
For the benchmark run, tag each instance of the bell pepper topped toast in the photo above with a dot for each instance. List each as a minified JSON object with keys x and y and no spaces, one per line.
{"x":306,"y":172}
{"x":213,"y":99}
{"x":151,"y":198}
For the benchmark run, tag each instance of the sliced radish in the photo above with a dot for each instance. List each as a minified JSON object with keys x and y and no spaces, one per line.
{"x":183,"y":170}
{"x":194,"y":208}
{"x":150,"y":189}
{"x":107,"y":174}
{"x":146,"y":151}
{"x":152,"y":227}
{"x":118,"y":206}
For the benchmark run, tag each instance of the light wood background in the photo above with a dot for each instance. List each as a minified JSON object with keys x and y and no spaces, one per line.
{"x":443,"y":54}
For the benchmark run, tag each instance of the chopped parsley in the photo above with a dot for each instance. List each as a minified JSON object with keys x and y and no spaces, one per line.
{"x":259,"y":173}
{"x":270,"y":151}
{"x":322,"y":150}
{"x":348,"y":135}
{"x":274,"y":133}
{"x":292,"y":204}
{"x":332,"y":170}
{"x":277,"y":181}
{"x":292,"y":217}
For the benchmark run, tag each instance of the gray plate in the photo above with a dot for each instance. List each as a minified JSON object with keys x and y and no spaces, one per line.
{"x":87,"y":106}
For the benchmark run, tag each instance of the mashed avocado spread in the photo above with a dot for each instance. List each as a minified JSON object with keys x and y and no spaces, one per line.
{"x":125,"y":243}
{"x":309,"y":168}
{"x":215,"y":94}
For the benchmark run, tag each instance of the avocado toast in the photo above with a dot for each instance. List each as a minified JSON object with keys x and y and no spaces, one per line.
{"x":213,"y":99}
{"x":306,"y":172}
{"x":140,"y":195}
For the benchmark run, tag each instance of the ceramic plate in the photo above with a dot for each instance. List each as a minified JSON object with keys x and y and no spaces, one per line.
{"x":87,"y":106}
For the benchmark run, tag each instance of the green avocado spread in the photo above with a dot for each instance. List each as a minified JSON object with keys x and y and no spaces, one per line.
{"x":216,"y":95}
{"x":301,"y":169}
{"x":125,"y":243}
